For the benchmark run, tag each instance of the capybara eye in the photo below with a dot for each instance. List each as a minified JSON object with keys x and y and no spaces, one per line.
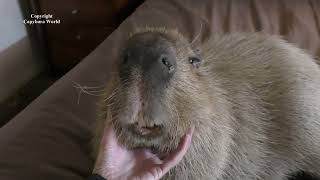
{"x":195,"y":61}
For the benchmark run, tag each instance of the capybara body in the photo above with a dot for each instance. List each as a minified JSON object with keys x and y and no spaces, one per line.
{"x":253,"y":99}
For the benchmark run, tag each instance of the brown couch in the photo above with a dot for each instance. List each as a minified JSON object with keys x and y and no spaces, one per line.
{"x":49,"y":140}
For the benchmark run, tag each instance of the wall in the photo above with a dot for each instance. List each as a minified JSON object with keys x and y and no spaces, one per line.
{"x":11,"y":27}
{"x":18,"y":64}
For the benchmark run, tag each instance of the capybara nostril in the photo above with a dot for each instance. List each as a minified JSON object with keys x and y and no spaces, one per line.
{"x":167,"y":63}
{"x":146,"y":130}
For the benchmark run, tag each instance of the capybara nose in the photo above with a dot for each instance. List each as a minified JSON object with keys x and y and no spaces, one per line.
{"x":158,"y":68}
{"x":151,"y":55}
{"x":146,"y":130}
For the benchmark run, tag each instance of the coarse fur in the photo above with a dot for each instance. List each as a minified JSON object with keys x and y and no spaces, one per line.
{"x":254,"y":101}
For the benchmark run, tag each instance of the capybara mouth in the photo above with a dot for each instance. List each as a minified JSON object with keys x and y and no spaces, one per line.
{"x":146,"y":131}
{"x":147,"y":136}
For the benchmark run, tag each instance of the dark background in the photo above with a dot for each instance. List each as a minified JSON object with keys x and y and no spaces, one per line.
{"x":84,"y":25}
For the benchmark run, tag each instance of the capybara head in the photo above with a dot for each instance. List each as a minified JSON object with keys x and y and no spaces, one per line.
{"x":160,"y":91}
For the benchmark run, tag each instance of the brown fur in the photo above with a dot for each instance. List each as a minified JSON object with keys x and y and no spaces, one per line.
{"x":254,"y":102}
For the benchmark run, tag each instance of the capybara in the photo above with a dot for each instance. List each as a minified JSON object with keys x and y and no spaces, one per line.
{"x":254,"y":101}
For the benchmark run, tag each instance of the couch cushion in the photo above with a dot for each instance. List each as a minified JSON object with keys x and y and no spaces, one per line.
{"x":50,"y":138}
